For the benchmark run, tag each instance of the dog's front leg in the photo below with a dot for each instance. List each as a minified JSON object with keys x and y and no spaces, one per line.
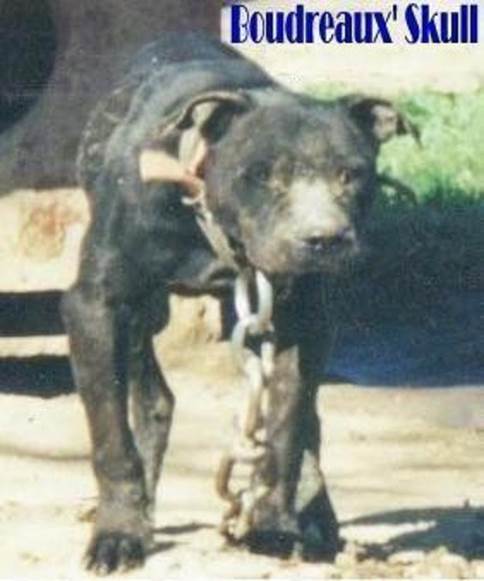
{"x":298,"y":508}
{"x":98,"y":333}
{"x":316,"y":517}
{"x":152,"y":400}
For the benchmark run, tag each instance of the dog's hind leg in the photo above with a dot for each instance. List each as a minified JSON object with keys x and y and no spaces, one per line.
{"x":152,"y":400}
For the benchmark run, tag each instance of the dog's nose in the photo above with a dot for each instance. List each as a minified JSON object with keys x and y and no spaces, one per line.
{"x":322,"y":242}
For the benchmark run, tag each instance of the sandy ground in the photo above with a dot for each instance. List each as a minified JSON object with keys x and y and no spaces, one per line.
{"x":405,"y":470}
{"x":405,"y":466}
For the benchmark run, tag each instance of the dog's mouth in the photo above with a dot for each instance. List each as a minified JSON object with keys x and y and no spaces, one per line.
{"x":332,"y":260}
{"x":304,"y":257}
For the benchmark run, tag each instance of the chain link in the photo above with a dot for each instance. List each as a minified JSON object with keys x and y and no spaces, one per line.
{"x":251,"y":447}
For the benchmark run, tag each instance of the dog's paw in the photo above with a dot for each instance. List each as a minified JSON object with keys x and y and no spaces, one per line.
{"x":274,"y":533}
{"x":320,"y":539}
{"x":114,"y":551}
{"x":312,"y":535}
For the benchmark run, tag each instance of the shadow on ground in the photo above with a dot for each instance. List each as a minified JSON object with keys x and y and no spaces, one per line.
{"x":412,"y":314}
{"x":163,"y":545}
{"x":459,"y":530}
{"x":442,"y":345}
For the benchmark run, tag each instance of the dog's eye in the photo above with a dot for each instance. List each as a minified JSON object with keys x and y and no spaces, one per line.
{"x":259,"y":173}
{"x":302,"y":170}
{"x":348,"y":176}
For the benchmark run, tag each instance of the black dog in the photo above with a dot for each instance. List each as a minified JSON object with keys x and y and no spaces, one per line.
{"x":289,"y":180}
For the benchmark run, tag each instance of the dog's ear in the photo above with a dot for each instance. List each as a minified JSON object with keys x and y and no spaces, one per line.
{"x":211,"y":113}
{"x":201,"y":123}
{"x":205,"y":121}
{"x":379,"y":118}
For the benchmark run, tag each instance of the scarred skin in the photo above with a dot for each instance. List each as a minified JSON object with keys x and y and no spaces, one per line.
{"x":290,"y":181}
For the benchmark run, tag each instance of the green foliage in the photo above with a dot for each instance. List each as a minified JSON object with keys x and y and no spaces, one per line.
{"x":448,"y":166}
{"x":431,"y":242}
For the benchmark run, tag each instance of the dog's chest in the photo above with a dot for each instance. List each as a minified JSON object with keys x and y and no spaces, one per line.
{"x":173,"y":247}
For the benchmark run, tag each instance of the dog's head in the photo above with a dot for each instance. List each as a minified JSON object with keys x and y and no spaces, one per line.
{"x":291,"y":182}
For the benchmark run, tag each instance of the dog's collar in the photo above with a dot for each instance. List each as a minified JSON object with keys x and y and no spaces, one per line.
{"x":192,"y":155}
{"x":186,"y":170}
{"x":219,"y":241}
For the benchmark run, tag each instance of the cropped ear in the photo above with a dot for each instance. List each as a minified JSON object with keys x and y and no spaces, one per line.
{"x":379,"y":118}
{"x":211,"y":112}
{"x":201,"y":122}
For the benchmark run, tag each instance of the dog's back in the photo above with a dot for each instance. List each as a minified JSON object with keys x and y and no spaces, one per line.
{"x":165,"y":73}
{"x":174,"y":49}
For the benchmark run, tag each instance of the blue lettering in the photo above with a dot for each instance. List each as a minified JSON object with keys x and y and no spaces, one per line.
{"x":344,"y":30}
{"x":359,"y":30}
{"x":295,"y":25}
{"x":474,"y":26}
{"x":382,"y":25}
{"x":310,"y":18}
{"x":238,"y":27}
{"x":412,"y":24}
{"x":464,"y":29}
{"x":449,"y":27}
{"x":326,"y":26}
{"x":430,"y":31}
{"x":300,"y":25}
{"x":257,"y":28}
{"x":273,"y":34}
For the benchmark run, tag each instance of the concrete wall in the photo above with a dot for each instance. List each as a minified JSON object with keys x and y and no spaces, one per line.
{"x":44,"y":217}
{"x":94,"y":38}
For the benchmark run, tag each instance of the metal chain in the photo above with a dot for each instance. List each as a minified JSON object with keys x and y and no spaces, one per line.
{"x":251,"y":447}
{"x":214,"y":233}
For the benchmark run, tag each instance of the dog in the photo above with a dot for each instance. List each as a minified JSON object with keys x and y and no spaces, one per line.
{"x":288,"y":182}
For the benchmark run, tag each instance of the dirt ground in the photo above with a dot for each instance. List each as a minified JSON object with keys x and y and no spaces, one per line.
{"x":405,"y":470}
{"x":405,"y":466}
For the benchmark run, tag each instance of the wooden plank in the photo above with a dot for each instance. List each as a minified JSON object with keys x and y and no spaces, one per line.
{"x":24,"y":347}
